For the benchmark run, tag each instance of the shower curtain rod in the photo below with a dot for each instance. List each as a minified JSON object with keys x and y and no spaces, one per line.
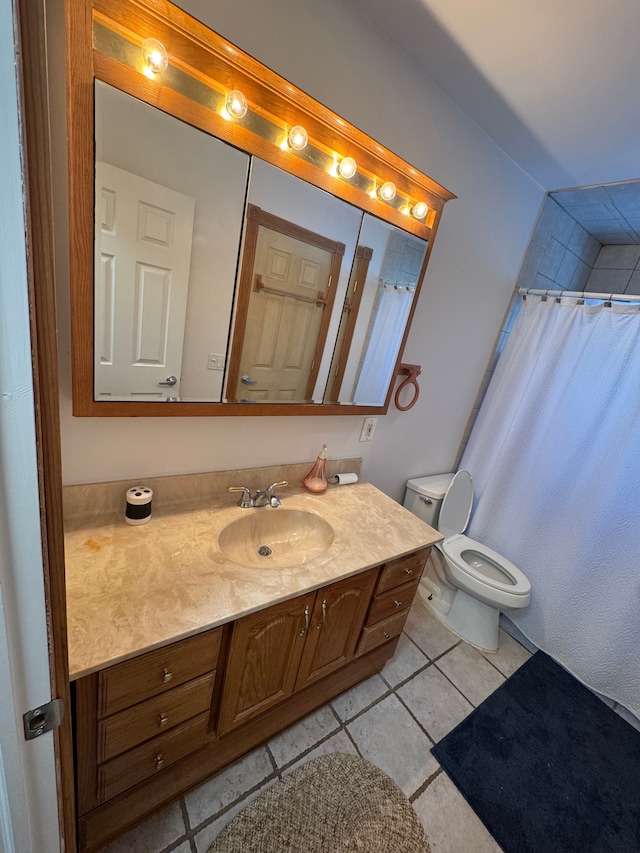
{"x":583,"y":294}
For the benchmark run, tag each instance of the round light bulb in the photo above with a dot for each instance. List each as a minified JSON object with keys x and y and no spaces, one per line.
{"x":420,"y":210}
{"x":236,"y":104}
{"x":347,"y":167}
{"x":155,"y":55}
{"x":387,"y":191}
{"x":298,"y":138}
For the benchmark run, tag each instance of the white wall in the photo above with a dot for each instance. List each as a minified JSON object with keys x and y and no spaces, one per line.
{"x":342,"y":61}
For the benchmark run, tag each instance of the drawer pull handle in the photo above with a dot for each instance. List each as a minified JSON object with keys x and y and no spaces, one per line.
{"x":306,"y":621}
{"x":386,"y":636}
{"x":167,"y":675}
{"x":324,"y":614}
{"x":159,"y":762}
{"x":408,"y":571}
{"x":397,"y":603}
{"x":162,"y":720}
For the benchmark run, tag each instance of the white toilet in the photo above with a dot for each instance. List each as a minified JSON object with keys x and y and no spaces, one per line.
{"x":466,"y":584}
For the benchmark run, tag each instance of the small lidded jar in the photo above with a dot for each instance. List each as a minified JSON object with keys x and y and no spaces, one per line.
{"x":138,"y":509}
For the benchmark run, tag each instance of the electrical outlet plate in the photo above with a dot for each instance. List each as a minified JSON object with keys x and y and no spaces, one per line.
{"x":368,"y":429}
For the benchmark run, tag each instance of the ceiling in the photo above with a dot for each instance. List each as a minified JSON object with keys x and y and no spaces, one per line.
{"x":553,"y":83}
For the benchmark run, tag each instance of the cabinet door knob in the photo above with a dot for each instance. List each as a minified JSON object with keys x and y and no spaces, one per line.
{"x":386,"y":636}
{"x":162,"y":720}
{"x":397,"y":603}
{"x":408,"y":571}
{"x":324,"y":614}
{"x":167,"y":675}
{"x":159,"y":762}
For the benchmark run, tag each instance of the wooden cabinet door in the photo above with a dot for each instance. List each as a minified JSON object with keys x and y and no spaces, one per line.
{"x":337,"y":620}
{"x":263,"y":660}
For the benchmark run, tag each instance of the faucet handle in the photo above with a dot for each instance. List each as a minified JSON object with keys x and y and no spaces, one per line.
{"x":275,"y":485}
{"x":274,"y":500}
{"x":245,"y":501}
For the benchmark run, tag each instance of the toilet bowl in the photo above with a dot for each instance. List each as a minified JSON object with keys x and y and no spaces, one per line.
{"x":466,"y":584}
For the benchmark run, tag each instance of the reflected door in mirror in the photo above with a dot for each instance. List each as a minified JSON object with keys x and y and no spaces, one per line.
{"x":143,"y":258}
{"x":287,"y":292}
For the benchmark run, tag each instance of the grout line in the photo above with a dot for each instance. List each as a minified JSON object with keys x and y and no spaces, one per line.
{"x":420,"y":791}
{"x":272,"y":759}
{"x":453,"y":684}
{"x":352,"y":739}
{"x":213,"y":817}
{"x":415,"y":719}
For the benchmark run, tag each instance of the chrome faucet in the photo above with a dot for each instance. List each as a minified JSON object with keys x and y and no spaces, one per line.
{"x":261,"y":498}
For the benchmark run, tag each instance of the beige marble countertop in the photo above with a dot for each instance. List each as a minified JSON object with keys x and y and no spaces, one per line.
{"x":135,"y":588}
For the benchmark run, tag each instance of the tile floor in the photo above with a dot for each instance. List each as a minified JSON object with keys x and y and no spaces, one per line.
{"x":392,"y":720}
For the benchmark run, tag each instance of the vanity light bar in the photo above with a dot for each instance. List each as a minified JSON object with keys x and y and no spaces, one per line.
{"x":236,"y":106}
{"x":233,"y":105}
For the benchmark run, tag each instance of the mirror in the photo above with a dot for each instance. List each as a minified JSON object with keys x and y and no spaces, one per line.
{"x":220,"y":262}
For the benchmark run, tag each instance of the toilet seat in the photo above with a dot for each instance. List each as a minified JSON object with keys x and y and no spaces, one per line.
{"x":460,"y":550}
{"x":474,"y":566}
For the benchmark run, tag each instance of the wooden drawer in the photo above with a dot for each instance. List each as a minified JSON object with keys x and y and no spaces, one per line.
{"x":125,"y":684}
{"x":403,"y":569}
{"x":128,"y":728}
{"x":381,"y":632}
{"x":138,"y":764}
{"x":394,"y":600}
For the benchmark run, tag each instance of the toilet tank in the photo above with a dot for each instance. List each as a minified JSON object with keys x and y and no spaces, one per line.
{"x":423,"y":497}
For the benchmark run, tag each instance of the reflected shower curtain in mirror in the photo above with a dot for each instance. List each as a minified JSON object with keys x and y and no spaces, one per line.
{"x":383,"y":342}
{"x":555,"y":460}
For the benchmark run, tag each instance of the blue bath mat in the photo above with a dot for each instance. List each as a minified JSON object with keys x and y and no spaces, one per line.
{"x":547,"y":766}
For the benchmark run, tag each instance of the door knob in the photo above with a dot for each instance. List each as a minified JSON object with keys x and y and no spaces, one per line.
{"x":246,"y":380}
{"x":170,"y":380}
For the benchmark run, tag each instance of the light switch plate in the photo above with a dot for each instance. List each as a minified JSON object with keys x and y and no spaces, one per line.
{"x":368,"y":429}
{"x":215,"y":362}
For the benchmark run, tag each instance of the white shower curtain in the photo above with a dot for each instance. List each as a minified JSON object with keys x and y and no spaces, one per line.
{"x":392,"y":310}
{"x":555,"y":461}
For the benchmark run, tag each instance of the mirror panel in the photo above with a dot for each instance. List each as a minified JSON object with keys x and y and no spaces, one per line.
{"x":154,"y":320}
{"x":299,"y":240}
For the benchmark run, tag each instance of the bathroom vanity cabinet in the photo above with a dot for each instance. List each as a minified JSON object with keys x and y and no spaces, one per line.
{"x":150,"y":728}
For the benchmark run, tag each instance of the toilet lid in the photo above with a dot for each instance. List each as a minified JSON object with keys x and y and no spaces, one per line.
{"x":456,"y":506}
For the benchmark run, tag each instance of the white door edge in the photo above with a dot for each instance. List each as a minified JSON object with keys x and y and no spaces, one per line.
{"x":28,"y":792}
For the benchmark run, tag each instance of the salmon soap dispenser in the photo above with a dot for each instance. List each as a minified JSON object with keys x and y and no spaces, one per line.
{"x":316,"y":479}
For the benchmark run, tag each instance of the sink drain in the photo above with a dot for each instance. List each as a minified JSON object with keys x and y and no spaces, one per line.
{"x":265,"y":551}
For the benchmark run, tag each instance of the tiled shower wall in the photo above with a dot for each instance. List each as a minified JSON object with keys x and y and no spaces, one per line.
{"x":616,"y":270}
{"x":561,"y":253}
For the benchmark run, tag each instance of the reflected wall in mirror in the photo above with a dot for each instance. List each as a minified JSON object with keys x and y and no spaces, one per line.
{"x":158,"y":220}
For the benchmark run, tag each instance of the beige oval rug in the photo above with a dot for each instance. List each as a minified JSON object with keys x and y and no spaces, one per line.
{"x":333,"y":804}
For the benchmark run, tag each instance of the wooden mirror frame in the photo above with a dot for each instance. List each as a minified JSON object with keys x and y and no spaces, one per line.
{"x":205,"y":59}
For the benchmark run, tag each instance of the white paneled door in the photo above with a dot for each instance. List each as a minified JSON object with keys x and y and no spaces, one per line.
{"x":144,"y":235}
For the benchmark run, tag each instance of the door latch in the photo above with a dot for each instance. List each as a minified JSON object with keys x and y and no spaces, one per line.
{"x":43,"y":719}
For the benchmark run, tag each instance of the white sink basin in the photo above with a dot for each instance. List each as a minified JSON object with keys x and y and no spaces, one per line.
{"x":275,"y":538}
